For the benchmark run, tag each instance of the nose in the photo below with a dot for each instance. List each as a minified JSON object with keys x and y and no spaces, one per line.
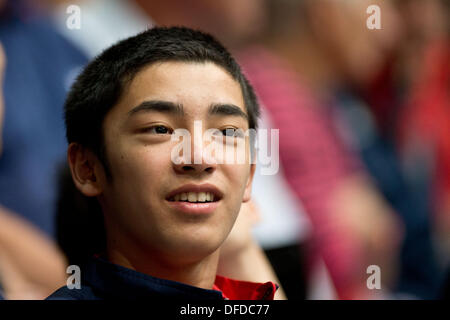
{"x":194,"y":168}
{"x":195,"y":160}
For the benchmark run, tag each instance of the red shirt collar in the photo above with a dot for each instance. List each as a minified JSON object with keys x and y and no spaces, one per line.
{"x":243,"y":290}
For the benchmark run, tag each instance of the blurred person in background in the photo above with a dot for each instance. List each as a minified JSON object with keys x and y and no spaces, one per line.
{"x":420,"y":69}
{"x":328,"y":44}
{"x":353,"y":227}
{"x":31,"y":266}
{"x":41,"y":67}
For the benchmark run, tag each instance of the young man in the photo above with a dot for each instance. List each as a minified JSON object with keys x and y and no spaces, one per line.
{"x":165,"y":219}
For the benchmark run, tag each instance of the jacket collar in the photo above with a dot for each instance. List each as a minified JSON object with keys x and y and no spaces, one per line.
{"x":117,"y":282}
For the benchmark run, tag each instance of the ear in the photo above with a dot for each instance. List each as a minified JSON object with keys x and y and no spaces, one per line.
{"x":84,"y":167}
{"x":248,"y":187}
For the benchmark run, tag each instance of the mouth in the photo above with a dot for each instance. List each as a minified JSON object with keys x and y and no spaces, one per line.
{"x":195,"y":199}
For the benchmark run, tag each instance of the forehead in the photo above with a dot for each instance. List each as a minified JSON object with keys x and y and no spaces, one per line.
{"x":194,"y":85}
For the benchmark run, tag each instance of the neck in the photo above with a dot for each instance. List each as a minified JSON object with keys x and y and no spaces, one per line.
{"x":200,"y":273}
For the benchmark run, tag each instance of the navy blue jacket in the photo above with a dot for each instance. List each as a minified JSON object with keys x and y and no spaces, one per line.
{"x":102,"y":280}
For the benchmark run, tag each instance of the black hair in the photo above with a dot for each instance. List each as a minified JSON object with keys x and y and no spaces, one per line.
{"x":99,"y":87}
{"x":80,"y":230}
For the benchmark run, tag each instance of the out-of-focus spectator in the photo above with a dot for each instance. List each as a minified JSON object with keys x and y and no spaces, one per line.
{"x":338,"y":57}
{"x":320,"y":171}
{"x":41,"y":66}
{"x":31,"y":266}
{"x":331,"y":183}
{"x":423,"y":131}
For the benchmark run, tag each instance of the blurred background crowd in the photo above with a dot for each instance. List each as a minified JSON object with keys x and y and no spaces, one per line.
{"x":364,"y":120}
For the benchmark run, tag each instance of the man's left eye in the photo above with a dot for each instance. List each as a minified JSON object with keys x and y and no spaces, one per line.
{"x":231,"y":132}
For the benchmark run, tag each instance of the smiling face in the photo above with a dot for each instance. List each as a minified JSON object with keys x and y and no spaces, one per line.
{"x":138,"y":199}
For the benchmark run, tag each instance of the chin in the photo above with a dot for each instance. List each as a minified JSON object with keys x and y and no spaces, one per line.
{"x":193,"y":250}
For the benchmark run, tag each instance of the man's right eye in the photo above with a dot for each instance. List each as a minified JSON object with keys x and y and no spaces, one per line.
{"x":159,"y":130}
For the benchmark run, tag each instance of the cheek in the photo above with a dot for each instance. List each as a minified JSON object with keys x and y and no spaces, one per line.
{"x":135,"y":189}
{"x":140,"y":167}
{"x":238,"y":176}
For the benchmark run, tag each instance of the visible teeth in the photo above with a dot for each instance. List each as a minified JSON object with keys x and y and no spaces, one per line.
{"x":192,"y":197}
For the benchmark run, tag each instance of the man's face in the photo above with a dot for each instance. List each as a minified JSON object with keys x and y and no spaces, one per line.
{"x":138,"y":200}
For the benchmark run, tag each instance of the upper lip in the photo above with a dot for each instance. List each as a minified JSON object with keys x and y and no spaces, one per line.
{"x":206,"y":187}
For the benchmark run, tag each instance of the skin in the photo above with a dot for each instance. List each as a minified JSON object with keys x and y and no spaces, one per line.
{"x":31,"y":266}
{"x":144,"y":232}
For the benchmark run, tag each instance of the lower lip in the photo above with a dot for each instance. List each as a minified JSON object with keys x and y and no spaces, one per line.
{"x":194,"y":208}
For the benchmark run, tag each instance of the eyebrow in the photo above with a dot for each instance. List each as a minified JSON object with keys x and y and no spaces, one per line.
{"x":226,"y":109}
{"x":158,"y":106}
